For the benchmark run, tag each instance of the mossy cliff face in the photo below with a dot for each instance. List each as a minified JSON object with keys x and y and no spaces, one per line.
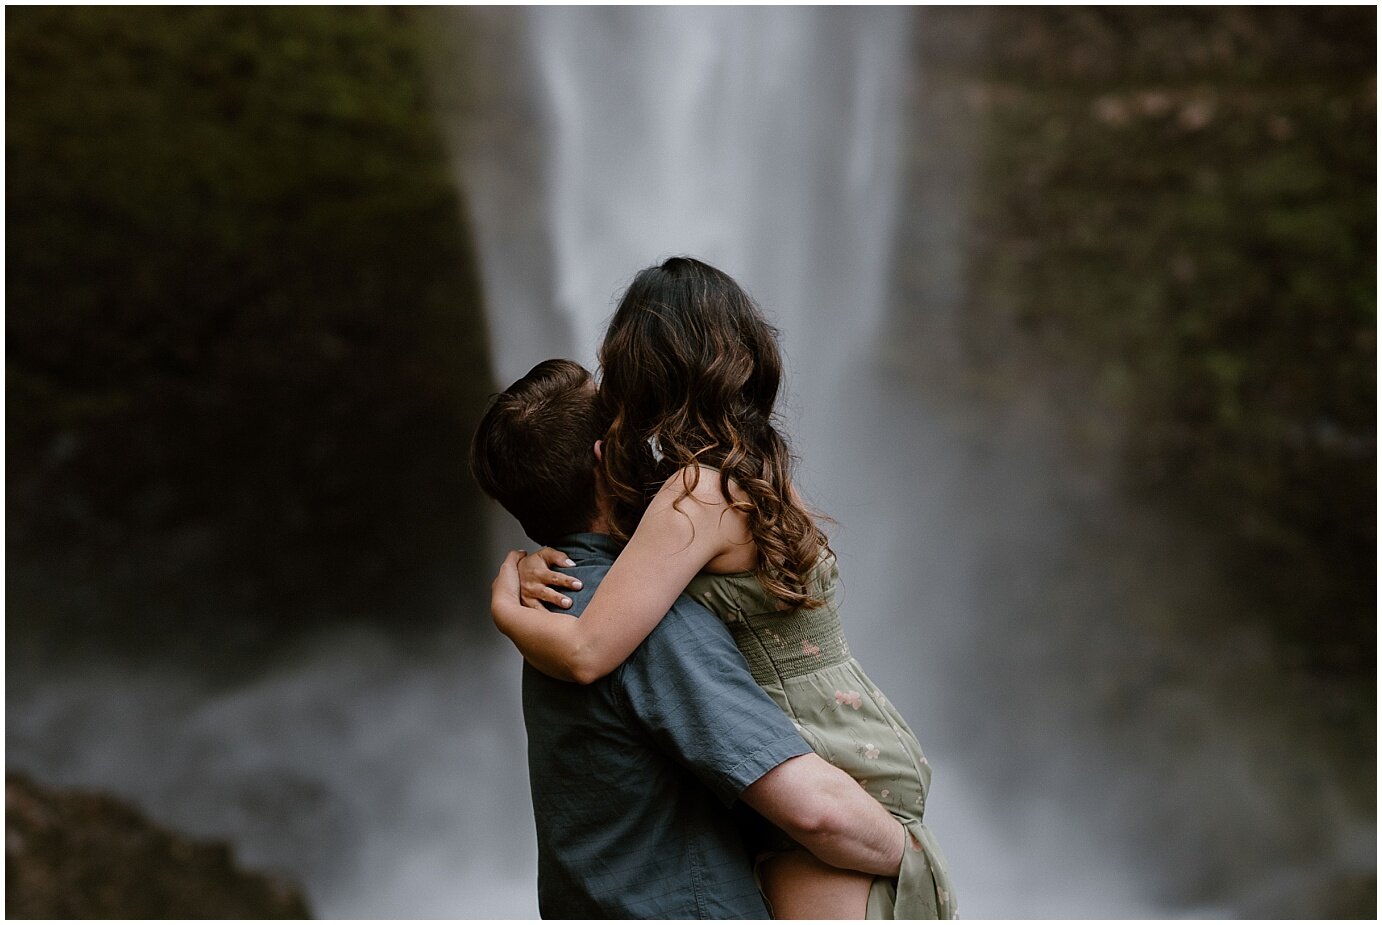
{"x":1172,"y":228}
{"x":245,"y":336}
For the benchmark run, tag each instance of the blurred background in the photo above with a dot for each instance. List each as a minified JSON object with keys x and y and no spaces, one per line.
{"x":1079,"y":313}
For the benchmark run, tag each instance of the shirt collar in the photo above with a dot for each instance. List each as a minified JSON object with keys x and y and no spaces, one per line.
{"x":581,"y":546}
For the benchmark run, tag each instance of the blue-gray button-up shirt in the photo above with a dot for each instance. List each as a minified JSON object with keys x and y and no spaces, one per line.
{"x":632,"y":776}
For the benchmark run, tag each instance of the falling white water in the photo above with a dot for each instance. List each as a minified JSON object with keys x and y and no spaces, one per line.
{"x":1088,"y":761}
{"x":766,"y":142}
{"x":760,"y":140}
{"x":386,"y":772}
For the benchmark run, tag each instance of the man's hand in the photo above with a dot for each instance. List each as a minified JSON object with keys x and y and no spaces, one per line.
{"x":827,"y":811}
{"x":537,"y":582}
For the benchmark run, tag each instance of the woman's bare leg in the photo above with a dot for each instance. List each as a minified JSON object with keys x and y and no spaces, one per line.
{"x":798,"y":886}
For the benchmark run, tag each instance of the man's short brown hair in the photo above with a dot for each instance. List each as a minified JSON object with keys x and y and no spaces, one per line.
{"x":534,"y":450}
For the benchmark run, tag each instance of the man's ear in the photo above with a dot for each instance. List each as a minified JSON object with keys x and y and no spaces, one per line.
{"x":599,"y":451}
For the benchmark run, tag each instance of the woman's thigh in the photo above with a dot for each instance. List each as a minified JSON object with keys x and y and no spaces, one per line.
{"x":798,"y":886}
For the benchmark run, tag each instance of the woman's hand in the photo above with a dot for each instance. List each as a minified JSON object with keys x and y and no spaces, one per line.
{"x":504,"y":589}
{"x":537,"y":582}
{"x":503,"y":592}
{"x":519,"y":620}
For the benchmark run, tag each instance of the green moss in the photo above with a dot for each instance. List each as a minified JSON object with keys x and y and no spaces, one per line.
{"x":1179,"y":206}
{"x":241,"y":300}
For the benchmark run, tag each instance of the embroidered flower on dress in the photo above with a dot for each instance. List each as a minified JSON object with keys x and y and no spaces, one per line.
{"x":850,"y":697}
{"x":885,"y":793}
{"x":870,"y":751}
{"x":810,"y":648}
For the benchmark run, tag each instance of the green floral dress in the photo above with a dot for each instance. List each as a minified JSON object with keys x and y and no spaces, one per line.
{"x":801,"y":660}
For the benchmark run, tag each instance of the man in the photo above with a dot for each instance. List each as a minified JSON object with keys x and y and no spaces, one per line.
{"x":633,"y":776}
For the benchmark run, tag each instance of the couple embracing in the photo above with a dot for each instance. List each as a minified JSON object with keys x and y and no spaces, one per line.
{"x":701,"y":744}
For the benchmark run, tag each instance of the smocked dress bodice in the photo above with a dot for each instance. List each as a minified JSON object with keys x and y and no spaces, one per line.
{"x":799,"y":656}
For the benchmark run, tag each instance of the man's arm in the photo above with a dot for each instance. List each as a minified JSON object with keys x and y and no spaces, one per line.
{"x":691,"y":689}
{"x":830,"y":815}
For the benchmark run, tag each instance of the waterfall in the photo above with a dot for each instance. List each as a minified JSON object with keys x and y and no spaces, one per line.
{"x":761,"y":140}
{"x":1104,"y":744}
{"x":1089,"y":761}
{"x":766,"y":141}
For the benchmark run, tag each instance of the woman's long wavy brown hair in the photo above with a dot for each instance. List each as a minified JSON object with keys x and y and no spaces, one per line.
{"x":691,"y":371}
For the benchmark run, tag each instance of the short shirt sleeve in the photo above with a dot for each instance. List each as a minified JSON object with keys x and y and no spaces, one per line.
{"x":689,"y":687}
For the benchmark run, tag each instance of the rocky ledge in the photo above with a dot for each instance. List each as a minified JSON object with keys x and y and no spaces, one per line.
{"x":73,"y":854}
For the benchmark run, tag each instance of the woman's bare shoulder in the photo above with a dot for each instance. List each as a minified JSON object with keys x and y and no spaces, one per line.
{"x":703,"y":484}
{"x":707,"y":505}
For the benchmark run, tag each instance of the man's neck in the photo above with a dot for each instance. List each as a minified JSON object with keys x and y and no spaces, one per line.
{"x":602,"y":522}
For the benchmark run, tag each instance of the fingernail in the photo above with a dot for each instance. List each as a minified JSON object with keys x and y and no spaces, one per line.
{"x":566,"y":602}
{"x":568,"y":563}
{"x":576,"y":584}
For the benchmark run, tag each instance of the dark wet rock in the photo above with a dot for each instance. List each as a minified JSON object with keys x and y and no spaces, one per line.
{"x":244,"y":346}
{"x":1171,"y":229}
{"x":80,"y":854}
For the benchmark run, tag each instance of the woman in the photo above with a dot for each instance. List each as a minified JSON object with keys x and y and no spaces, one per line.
{"x":701,"y":491}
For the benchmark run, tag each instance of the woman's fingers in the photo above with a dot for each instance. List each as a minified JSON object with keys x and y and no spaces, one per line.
{"x":550,"y":595}
{"x":533,"y":593}
{"x":555,"y":579}
{"x":533,"y":572}
{"x":554,"y":557}
{"x":538,"y":583}
{"x":528,"y":578}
